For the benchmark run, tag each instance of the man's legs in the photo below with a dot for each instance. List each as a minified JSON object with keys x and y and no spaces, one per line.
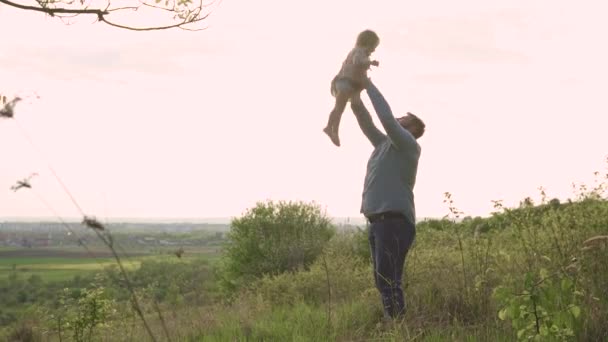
{"x":390,"y":240}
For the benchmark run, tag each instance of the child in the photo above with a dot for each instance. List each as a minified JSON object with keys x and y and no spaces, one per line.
{"x":348,"y":84}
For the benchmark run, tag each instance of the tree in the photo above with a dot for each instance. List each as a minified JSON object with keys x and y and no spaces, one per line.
{"x":181,"y":13}
{"x":272,"y":238}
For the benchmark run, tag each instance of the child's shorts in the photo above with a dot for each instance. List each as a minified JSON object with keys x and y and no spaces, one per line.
{"x":343,"y":84}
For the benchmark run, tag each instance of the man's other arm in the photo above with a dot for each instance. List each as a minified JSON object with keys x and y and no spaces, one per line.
{"x":401,"y":138}
{"x":373,"y":134}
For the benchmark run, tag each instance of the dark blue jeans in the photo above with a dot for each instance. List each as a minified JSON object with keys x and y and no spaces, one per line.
{"x":390,"y":239}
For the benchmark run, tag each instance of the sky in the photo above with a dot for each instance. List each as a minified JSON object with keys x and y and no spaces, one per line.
{"x":205,"y":124}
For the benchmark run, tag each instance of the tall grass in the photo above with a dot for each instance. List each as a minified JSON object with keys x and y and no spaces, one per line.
{"x":534,"y":272}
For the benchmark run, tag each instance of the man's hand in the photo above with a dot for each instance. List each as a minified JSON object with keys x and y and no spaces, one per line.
{"x":374,"y":63}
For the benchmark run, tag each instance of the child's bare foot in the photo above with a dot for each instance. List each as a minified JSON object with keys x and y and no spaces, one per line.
{"x":335,"y":139}
{"x":332,"y":135}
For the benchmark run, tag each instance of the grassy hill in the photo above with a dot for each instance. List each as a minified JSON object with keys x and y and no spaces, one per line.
{"x":536,"y":272}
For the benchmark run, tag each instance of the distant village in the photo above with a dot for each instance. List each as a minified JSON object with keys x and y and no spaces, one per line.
{"x":146,"y":234}
{"x":51,"y":234}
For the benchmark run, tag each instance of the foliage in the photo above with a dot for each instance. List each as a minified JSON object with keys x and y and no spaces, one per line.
{"x":339,"y":267}
{"x":80,"y":311}
{"x":167,"y":281}
{"x":549,"y":302}
{"x":534,"y":272}
{"x":547,"y":307}
{"x":271,"y":238}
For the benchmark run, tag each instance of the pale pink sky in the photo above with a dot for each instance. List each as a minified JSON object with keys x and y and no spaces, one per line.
{"x":204,"y":124}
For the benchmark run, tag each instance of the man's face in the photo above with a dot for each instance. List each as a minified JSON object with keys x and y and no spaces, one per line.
{"x":410,"y":124}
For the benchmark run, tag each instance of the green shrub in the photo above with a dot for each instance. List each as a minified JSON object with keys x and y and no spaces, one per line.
{"x":272,"y":238}
{"x":339,"y":270}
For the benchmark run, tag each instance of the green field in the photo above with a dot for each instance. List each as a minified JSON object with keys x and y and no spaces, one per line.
{"x":55,"y":269}
{"x":53,"y":264}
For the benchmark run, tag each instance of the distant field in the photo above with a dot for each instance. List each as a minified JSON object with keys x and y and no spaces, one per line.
{"x":54,"y":264}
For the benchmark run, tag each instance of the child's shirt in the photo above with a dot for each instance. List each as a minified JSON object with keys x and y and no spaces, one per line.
{"x":355,"y":65}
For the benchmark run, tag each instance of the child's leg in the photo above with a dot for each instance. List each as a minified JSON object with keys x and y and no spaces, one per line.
{"x":336,"y":113}
{"x":355,"y":99}
{"x":333,"y":122}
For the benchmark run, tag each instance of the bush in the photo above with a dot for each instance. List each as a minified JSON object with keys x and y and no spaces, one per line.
{"x":273,"y":238}
{"x":339,"y":267}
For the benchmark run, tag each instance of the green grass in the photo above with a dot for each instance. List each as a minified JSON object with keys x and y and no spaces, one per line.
{"x":55,"y":269}
{"x":25,"y":261}
{"x":52,"y":269}
{"x":452,"y":278}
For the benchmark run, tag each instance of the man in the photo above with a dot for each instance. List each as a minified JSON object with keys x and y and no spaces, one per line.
{"x":388,"y":197}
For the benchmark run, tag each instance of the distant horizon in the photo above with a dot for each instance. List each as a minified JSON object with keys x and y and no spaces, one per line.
{"x":211,"y":220}
{"x":208,"y":220}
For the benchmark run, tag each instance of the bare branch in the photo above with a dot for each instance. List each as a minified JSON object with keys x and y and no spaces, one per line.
{"x":154,"y":28}
{"x":53,"y":11}
{"x":185,"y":14}
{"x":135,"y":8}
{"x":143,"y":3}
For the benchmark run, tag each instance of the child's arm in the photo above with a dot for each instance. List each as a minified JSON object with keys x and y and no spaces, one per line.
{"x":362,"y":59}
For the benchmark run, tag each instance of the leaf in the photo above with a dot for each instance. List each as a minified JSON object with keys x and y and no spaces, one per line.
{"x":502,"y":314}
{"x":501,"y":293}
{"x":566,"y":284}
{"x":528,"y":280}
{"x":521,"y":333}
{"x":575,"y":311}
{"x":544,"y":273}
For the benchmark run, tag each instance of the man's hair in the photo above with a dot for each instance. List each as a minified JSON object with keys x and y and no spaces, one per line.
{"x":368,"y":38}
{"x":417,"y":122}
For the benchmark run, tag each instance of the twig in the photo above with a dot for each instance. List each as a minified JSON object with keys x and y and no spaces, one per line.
{"x":190,"y":16}
{"x":53,"y":11}
{"x":134,"y":300}
{"x":537,"y":319}
{"x":101,"y":18}
{"x":328,"y":297}
{"x":162,"y":320}
{"x":98,"y":228}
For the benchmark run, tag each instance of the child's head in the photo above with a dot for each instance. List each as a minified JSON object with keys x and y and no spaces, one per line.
{"x":368,"y":39}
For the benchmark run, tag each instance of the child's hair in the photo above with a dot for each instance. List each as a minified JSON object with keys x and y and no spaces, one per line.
{"x":368,"y":38}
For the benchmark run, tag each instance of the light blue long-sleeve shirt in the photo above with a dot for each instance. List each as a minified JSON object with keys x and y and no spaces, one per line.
{"x":392,"y":166}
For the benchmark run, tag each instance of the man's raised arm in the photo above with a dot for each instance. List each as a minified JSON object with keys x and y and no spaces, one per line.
{"x":401,"y":138}
{"x":366,"y":123}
